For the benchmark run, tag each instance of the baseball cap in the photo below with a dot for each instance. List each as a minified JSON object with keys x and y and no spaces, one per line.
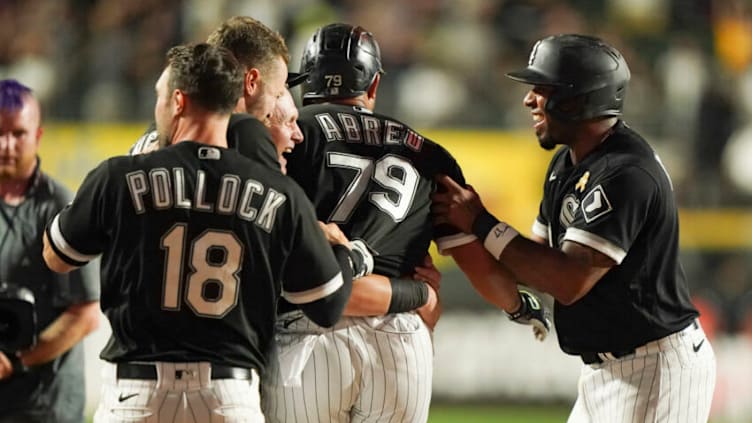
{"x":296,"y":78}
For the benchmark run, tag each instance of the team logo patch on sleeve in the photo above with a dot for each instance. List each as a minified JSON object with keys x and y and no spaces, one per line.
{"x":595,"y":204}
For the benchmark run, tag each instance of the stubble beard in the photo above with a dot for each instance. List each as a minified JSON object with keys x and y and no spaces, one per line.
{"x":546,"y":141}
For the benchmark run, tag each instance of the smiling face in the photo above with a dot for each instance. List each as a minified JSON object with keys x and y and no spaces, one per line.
{"x":284,"y":128}
{"x":272,"y":85}
{"x":550,"y":130}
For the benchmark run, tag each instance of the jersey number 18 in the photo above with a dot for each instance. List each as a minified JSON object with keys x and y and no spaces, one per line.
{"x":203,"y":272}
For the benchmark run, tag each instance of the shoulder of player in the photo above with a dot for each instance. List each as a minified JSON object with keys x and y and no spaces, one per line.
{"x":246,"y":120}
{"x":243,"y":126}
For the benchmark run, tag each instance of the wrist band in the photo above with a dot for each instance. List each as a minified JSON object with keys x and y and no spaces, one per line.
{"x":407,"y":295}
{"x":495,"y":234}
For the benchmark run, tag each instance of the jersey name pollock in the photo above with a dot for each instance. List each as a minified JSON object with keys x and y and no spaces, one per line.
{"x":233,"y":197}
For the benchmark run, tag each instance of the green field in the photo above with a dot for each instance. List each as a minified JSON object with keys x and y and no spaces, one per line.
{"x":442,"y":413}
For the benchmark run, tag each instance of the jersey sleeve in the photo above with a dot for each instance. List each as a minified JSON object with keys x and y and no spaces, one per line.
{"x":312,"y":271}
{"x":77,"y":233}
{"x":252,"y":139}
{"x":447,"y":236}
{"x":81,"y":284}
{"x":540,"y":224}
{"x":612,"y":213}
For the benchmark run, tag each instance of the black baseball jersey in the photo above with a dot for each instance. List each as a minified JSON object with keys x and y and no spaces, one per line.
{"x":53,"y":391}
{"x":620,"y":202}
{"x":195,"y":241}
{"x":245,"y":133}
{"x":374,"y":176}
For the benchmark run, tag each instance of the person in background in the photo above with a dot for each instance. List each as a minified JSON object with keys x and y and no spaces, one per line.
{"x":43,"y":382}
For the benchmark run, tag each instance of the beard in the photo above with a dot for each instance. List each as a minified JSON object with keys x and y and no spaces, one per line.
{"x":17,"y":168}
{"x":547,"y":142}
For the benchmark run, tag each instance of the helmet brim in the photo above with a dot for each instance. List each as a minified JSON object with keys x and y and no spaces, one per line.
{"x":534,"y":77}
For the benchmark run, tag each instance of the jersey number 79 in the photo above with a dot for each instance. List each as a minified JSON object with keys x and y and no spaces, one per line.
{"x":390,"y":172}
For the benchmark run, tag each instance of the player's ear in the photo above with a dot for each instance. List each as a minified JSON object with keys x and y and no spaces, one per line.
{"x":251,"y":81}
{"x":179,"y":101}
{"x":374,"y":86}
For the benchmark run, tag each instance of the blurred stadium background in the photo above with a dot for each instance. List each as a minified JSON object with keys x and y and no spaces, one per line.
{"x":93,"y":63}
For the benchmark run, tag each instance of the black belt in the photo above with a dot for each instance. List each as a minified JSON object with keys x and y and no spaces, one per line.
{"x":149,"y":371}
{"x":593,"y":358}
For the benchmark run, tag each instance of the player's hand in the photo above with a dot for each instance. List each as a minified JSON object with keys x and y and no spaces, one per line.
{"x":428,"y":273}
{"x":534,"y":313}
{"x":457,"y":206}
{"x":334,"y":234}
{"x":430,"y":312}
{"x":6,"y":367}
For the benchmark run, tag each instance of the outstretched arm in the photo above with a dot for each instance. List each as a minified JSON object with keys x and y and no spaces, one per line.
{"x":566,"y":274}
{"x":497,"y":285}
{"x":377,"y":295}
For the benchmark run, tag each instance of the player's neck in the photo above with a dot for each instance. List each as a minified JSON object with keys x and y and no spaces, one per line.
{"x":209,"y":130}
{"x":359,"y":101}
{"x":589,"y":136}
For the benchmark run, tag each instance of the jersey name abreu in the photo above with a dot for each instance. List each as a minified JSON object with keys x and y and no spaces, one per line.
{"x":368,"y":130}
{"x":234,"y":196}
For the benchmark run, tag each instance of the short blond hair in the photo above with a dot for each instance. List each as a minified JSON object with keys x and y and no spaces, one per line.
{"x":254,"y":44}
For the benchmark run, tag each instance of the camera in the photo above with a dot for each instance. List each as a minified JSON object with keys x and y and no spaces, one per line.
{"x":18,"y":319}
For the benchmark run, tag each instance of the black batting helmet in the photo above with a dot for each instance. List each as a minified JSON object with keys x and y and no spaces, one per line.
{"x":341,"y":61}
{"x":589,"y":77}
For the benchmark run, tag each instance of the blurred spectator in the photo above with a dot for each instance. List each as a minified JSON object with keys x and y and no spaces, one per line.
{"x":726,"y":296}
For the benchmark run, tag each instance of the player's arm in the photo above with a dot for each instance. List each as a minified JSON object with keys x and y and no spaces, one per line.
{"x":53,"y":260}
{"x":318,"y":277}
{"x":327,"y":310}
{"x":566,"y":274}
{"x":497,"y":285}
{"x":75,"y":235}
{"x":377,"y":295}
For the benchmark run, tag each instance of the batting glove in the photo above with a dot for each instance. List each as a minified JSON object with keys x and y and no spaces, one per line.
{"x":532,"y":312}
{"x":364,"y":262}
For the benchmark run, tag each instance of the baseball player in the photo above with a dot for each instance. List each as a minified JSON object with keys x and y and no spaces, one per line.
{"x":373,"y":176}
{"x":608,"y":247}
{"x":194,"y":241}
{"x":264,"y":56}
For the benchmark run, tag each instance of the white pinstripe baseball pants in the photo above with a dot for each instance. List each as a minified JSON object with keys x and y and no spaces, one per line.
{"x":668,"y":380}
{"x":194,"y":398}
{"x":362,"y":370}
